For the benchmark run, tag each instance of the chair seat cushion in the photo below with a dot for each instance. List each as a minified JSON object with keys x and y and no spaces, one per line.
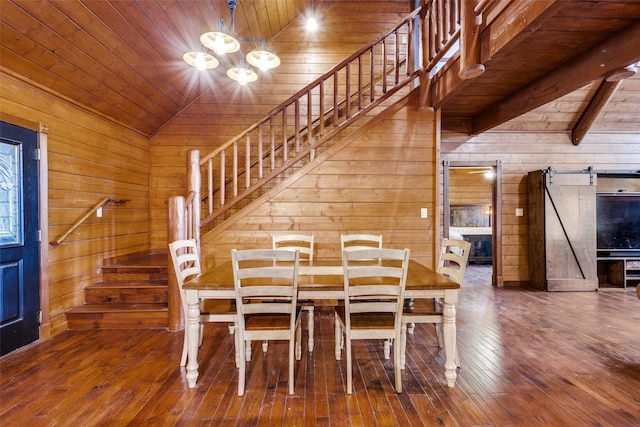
{"x":367,"y":320}
{"x":268,"y":321}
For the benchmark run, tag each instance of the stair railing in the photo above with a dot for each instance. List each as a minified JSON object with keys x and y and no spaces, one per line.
{"x":103,"y":202}
{"x":295,"y":129}
{"x":260,"y":153}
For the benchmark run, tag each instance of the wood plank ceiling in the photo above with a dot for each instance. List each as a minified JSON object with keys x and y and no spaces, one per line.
{"x":123,"y":59}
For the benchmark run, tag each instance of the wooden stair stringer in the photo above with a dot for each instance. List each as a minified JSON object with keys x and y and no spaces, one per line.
{"x":371,"y":122}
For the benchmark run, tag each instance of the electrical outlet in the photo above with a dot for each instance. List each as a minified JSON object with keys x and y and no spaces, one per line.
{"x":423,"y":212}
{"x":519,"y":212}
{"x":99,"y":212}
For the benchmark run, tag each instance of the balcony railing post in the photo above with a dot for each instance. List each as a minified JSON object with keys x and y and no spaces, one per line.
{"x":470,"y":65}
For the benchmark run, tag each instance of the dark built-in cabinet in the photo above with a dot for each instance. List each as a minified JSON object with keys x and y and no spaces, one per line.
{"x":562,"y":230}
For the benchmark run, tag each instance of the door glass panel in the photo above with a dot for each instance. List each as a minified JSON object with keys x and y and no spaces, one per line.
{"x":10,"y":197}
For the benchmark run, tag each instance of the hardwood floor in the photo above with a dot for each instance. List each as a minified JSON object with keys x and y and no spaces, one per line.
{"x":528,"y":358}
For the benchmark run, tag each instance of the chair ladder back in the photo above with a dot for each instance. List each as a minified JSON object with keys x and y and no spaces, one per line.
{"x":302,"y":242}
{"x":453,"y":258}
{"x":186,"y":261}
{"x":354,"y":242}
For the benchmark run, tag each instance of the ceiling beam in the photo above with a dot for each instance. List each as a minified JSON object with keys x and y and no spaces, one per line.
{"x":618,"y":51}
{"x":593,"y":110}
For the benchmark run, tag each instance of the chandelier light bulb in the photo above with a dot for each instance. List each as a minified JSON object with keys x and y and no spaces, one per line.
{"x":201,"y":63}
{"x":242,"y":77}
{"x":263,"y":58}
{"x":263,"y":62}
{"x":200,"y":60}
{"x":218,"y":44}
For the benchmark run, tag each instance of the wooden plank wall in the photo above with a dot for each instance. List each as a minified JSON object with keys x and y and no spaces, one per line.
{"x":89,"y":158}
{"x":469,"y":188}
{"x":376,"y":183}
{"x":521,"y":152}
{"x":227,"y":110}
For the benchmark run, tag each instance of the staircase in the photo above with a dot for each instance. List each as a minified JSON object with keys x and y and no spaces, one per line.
{"x":132,"y":294}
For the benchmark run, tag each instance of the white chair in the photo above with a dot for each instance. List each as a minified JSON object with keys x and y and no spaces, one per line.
{"x":186,"y":263}
{"x":373,"y":299}
{"x":305,"y":244}
{"x":360,"y":241}
{"x":266,"y":300}
{"x":356,"y":242}
{"x":452,"y":262}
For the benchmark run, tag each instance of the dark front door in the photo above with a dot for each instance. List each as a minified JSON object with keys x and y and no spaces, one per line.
{"x":19,"y":245}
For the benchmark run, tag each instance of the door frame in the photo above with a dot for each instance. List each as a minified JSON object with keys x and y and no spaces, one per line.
{"x":496,"y":198}
{"x":43,"y":207}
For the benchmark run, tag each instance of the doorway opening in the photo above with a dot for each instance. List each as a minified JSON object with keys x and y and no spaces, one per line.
{"x":472,"y":211}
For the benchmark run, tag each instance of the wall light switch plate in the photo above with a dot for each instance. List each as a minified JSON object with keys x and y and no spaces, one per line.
{"x":99,"y":212}
{"x":423,"y":212}
{"x":519,"y":212}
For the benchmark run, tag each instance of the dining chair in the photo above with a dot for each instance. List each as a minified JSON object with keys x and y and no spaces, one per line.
{"x":373,"y":299}
{"x":364,"y":241}
{"x":266,"y":300}
{"x":360,"y":241}
{"x":305,"y":244}
{"x":186,"y":263}
{"x":452,"y":262}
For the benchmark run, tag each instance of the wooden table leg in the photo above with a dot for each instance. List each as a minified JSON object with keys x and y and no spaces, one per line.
{"x":193,"y":331}
{"x":450,"y":302}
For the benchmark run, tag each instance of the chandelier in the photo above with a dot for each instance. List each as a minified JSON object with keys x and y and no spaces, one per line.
{"x":223,"y":41}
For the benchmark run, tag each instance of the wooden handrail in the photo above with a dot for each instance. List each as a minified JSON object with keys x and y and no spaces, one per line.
{"x":236,"y":169}
{"x":82,"y":219}
{"x":301,"y":93}
{"x":482,"y":6}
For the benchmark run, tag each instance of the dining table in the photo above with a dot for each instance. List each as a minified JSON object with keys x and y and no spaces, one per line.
{"x":321,"y":280}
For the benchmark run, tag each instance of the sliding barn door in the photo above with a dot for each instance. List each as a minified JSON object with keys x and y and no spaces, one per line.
{"x":562,"y":231}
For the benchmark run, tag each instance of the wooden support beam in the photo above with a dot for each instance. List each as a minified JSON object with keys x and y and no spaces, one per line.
{"x":616,"y":52}
{"x":593,"y":110}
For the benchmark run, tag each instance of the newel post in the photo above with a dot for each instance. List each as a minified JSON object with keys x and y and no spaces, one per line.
{"x":470,"y":22}
{"x":176,"y":230}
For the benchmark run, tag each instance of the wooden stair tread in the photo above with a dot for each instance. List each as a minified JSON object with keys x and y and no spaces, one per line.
{"x":117,"y":307}
{"x":128,"y":284}
{"x":141,"y":261}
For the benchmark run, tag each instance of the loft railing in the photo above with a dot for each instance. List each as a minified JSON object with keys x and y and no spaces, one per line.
{"x":293,"y":131}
